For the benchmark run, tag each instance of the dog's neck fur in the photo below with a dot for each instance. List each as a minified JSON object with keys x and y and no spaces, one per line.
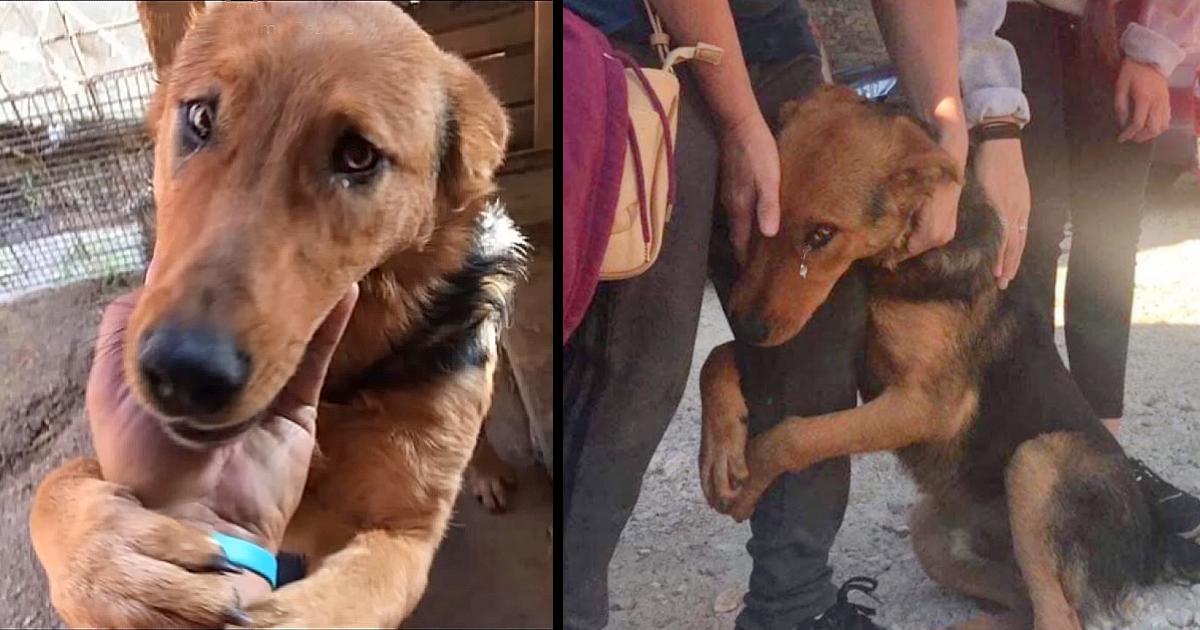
{"x":959,"y":270}
{"x":443,"y":312}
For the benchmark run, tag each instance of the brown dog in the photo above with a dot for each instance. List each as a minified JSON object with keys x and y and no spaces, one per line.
{"x":1028,"y":501}
{"x":299,"y":148}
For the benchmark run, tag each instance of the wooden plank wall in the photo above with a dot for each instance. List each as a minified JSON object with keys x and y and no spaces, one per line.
{"x":497,"y":39}
{"x":510,"y":43}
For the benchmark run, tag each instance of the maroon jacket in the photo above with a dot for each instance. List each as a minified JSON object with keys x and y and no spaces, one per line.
{"x":596,"y":121}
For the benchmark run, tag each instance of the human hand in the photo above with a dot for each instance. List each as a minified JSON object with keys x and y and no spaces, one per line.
{"x":937,"y":220}
{"x":749,"y":186}
{"x":1142,"y":90}
{"x":248,"y":488}
{"x":1000,"y":168}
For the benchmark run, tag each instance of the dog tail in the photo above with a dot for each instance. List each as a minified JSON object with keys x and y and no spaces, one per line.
{"x":1106,"y":536}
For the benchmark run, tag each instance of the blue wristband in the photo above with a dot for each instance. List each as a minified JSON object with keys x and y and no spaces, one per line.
{"x":248,"y":555}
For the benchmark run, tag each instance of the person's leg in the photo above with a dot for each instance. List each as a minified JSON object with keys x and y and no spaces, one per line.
{"x":1108,"y":187}
{"x":796,"y":521}
{"x":1031,"y":30}
{"x":1107,"y":204}
{"x":624,"y":372}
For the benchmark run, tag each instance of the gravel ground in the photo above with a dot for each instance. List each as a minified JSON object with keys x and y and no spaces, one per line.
{"x":681,"y":565}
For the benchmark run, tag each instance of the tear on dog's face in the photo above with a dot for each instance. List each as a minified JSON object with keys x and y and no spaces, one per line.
{"x":297,"y":147}
{"x":852,"y":176}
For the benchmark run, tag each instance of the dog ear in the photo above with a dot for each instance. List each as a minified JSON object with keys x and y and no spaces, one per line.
{"x":156,"y":107}
{"x":788,"y":110}
{"x":920,"y":166}
{"x":822,"y":97}
{"x":164,"y":25}
{"x":473,"y":140}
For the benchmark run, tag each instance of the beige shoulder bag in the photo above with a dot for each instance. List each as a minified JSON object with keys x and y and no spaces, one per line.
{"x":647,"y":191}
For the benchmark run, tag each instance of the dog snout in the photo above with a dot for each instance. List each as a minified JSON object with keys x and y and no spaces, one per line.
{"x":192,"y":371}
{"x":749,"y":329}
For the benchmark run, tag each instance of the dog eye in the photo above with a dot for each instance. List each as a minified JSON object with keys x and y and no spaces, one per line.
{"x":198,"y":122}
{"x":821,"y":236}
{"x":353,"y":155}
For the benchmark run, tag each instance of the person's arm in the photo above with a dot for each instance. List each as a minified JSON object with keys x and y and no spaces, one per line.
{"x":749,"y":158}
{"x":1163,"y":34}
{"x":989,"y":70}
{"x":991,"y":84}
{"x":1151,"y":49}
{"x":922,"y":38}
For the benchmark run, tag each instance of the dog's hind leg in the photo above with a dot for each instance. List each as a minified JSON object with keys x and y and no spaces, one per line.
{"x":1031,"y":481}
{"x":944,"y":541}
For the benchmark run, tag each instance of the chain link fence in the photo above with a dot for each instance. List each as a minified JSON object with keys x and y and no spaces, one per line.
{"x":75,"y":159}
{"x":75,"y":173}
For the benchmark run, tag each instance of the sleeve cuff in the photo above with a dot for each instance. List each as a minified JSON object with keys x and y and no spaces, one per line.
{"x":1146,"y":46}
{"x":995,"y":103}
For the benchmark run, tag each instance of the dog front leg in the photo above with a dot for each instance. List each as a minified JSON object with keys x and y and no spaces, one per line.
{"x":374,"y":582}
{"x":899,"y":417}
{"x":723,"y":428}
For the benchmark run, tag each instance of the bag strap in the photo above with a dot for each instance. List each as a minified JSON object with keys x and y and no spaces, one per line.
{"x":668,"y":142}
{"x":659,"y":40}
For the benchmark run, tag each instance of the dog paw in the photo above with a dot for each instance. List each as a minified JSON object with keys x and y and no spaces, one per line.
{"x":490,"y":480}
{"x":723,"y":468}
{"x":741,"y":507}
{"x":761,"y":458}
{"x":136,"y":568}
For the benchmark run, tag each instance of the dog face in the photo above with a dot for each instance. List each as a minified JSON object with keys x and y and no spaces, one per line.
{"x":297,"y":147}
{"x":851,"y":178}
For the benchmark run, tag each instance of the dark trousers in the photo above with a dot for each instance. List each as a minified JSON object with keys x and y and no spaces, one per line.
{"x":1078,"y":171}
{"x":626,"y":367}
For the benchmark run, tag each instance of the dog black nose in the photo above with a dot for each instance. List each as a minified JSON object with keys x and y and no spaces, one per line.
{"x":192,"y":370}
{"x":749,"y":329}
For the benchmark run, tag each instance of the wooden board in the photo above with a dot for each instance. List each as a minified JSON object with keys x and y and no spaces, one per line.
{"x":528,"y":195}
{"x":543,"y":75}
{"x":439,"y":17}
{"x":504,"y":42}
{"x":529,"y":347}
{"x":521,"y":118}
{"x":509,"y":31}
{"x":510,"y":74}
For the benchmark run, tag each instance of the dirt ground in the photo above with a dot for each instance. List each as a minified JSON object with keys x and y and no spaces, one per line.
{"x":681,"y":565}
{"x":492,"y":570}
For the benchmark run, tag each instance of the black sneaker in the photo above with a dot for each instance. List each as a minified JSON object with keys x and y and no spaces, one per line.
{"x":1182,"y":559}
{"x":846,"y":615}
{"x":1177,"y":511}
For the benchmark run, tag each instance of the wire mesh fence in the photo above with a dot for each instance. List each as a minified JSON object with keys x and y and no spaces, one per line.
{"x":75,"y":173}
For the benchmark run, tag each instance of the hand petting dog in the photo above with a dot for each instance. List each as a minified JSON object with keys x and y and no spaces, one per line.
{"x":749,"y":181}
{"x":1000,"y":168}
{"x":248,"y":488}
